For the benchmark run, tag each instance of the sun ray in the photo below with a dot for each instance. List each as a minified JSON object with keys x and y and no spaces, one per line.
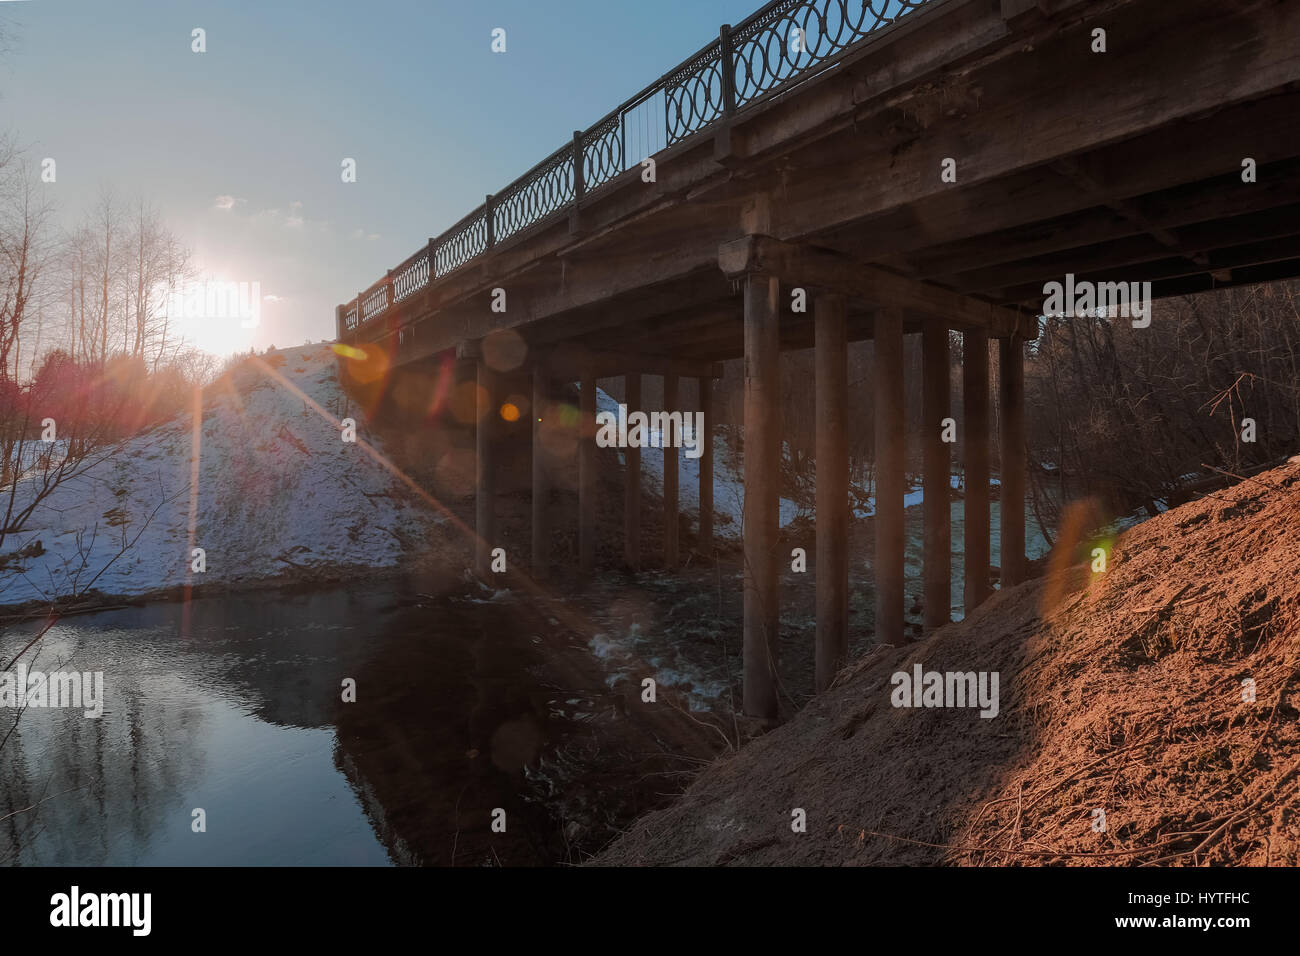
{"x":196,"y":447}
{"x":571,"y":617}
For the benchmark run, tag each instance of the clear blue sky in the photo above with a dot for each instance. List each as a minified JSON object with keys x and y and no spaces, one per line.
{"x":287,"y":88}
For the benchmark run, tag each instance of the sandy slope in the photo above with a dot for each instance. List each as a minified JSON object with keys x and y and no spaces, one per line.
{"x":1120,"y":692}
{"x":276,"y":485}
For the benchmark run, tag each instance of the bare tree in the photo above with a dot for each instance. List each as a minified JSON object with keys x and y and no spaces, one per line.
{"x":108,"y":268}
{"x":23,"y":221}
{"x":1128,"y":414}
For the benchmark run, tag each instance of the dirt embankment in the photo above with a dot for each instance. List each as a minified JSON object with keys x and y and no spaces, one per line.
{"x":1161,"y":692}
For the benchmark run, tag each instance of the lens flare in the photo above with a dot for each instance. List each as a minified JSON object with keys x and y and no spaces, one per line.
{"x":347,"y":351}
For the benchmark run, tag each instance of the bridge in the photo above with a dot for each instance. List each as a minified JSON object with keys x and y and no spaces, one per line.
{"x":915,"y":167}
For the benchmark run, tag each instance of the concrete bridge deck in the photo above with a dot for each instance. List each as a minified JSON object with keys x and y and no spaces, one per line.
{"x":915,"y":166}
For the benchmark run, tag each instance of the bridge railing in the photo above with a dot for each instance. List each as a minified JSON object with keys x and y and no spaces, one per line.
{"x":782,"y":43}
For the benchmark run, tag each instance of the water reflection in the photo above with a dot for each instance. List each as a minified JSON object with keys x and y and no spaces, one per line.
{"x":455,"y":714}
{"x":462,"y":708}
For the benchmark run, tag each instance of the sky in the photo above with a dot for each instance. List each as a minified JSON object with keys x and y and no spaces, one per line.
{"x":240,"y":147}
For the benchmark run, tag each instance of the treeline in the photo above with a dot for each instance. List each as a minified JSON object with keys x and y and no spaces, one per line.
{"x":1129,"y":414}
{"x":88,"y":354}
{"x":85,"y":337}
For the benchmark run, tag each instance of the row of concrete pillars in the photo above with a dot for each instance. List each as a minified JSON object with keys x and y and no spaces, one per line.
{"x":763,"y":556}
{"x":543,"y":397}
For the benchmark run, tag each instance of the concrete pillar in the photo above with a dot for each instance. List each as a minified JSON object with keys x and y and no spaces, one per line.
{"x":831,"y":374}
{"x":891,"y":407}
{"x":632,"y":477}
{"x":671,"y":549}
{"x":485,"y":472}
{"x":762,"y":495}
{"x":975,"y":454}
{"x":938,"y":472}
{"x":587,"y":473}
{"x":541,"y":473}
{"x":706,"y":468}
{"x":1012,"y":465}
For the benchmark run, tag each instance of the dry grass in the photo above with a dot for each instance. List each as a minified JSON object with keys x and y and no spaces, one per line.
{"x":1121,"y":691}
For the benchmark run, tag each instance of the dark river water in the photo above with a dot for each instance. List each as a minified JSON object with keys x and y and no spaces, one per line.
{"x":462,"y":708}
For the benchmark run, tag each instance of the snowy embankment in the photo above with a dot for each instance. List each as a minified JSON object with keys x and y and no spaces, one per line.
{"x":728,"y":482}
{"x":277,"y":490}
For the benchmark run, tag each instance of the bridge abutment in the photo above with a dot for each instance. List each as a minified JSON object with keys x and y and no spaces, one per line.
{"x":975,"y":458}
{"x":672,"y":555}
{"x":706,"y":467}
{"x":632,"y":482}
{"x":484,"y":470}
{"x":891,"y":425}
{"x":762,"y":266}
{"x":587,"y":472}
{"x":541,"y":491}
{"x":1011,"y":369}
{"x":937,"y":469}
{"x":762,"y":464}
{"x":831,"y":371}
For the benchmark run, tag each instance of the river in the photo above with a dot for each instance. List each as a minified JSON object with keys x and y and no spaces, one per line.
{"x":462,"y":708}
{"x":466,"y":708}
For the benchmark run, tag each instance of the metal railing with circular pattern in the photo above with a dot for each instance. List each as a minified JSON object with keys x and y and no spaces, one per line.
{"x":785,"y":41}
{"x":411,"y":276}
{"x":545,"y":189}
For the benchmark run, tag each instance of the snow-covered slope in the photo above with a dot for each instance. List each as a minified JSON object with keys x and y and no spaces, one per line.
{"x":277,"y":490}
{"x":728,"y":484}
{"x":277,"y":487}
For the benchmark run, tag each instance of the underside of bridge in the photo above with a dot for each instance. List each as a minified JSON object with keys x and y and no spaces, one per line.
{"x":934,"y":178}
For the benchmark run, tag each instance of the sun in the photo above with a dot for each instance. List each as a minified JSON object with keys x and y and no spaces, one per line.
{"x":220,"y":316}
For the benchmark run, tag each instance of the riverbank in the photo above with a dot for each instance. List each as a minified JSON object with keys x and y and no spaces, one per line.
{"x":262,"y":488}
{"x":283,"y":507}
{"x":462,"y":705}
{"x":1145,"y":717}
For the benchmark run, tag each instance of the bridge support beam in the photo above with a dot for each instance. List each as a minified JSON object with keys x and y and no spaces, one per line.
{"x":484,"y":471}
{"x":632,"y":478}
{"x":587,"y":473}
{"x":831,"y":369}
{"x":762,"y":496}
{"x":937,"y":474}
{"x":975,"y":456}
{"x":1012,"y":370}
{"x":541,"y":409}
{"x":890,"y":465}
{"x":706,"y":468}
{"x":672,"y":553}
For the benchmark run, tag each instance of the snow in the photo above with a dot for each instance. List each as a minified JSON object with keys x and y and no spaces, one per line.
{"x":728,"y":485}
{"x":635,"y":654}
{"x":275,"y":481}
{"x":913,"y":498}
{"x":278,"y":490}
{"x":36,"y":455}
